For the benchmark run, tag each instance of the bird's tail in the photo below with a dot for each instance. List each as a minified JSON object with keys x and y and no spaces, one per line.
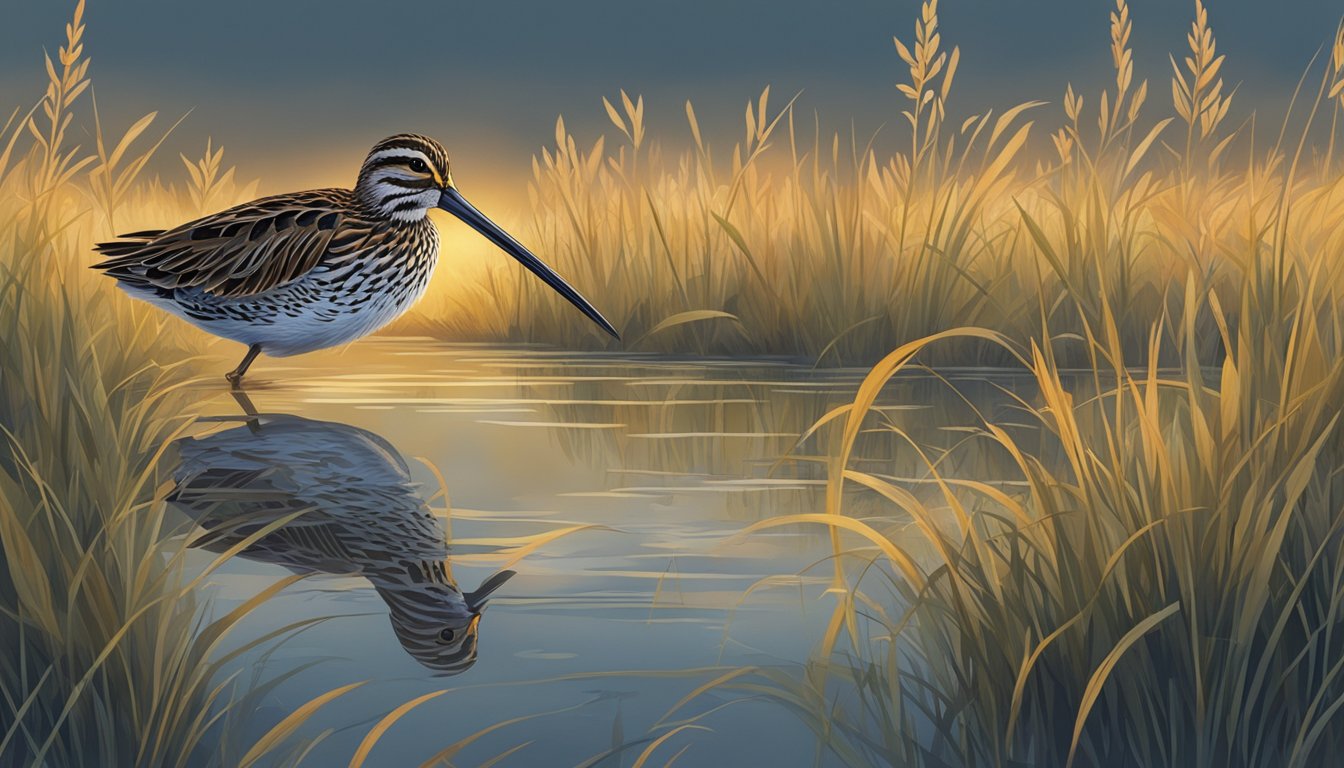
{"x":126,"y":244}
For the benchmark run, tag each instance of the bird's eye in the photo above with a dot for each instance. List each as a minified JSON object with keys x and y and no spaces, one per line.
{"x":419,"y":166}
{"x":446,"y":635}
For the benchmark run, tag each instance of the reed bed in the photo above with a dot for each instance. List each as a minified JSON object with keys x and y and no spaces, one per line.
{"x":1166,"y":590}
{"x":824,"y":247}
{"x":1163,"y":585}
{"x":110,"y":657}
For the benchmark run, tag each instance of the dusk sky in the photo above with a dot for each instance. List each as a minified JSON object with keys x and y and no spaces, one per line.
{"x":296,"y":91}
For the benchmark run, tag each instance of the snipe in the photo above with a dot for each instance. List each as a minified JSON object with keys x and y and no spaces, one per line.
{"x":299,"y":272}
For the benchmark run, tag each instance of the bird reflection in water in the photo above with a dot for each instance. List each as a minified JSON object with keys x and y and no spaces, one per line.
{"x":355,"y":511}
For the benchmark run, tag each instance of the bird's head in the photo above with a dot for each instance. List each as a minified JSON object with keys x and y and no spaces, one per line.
{"x":435,"y":623}
{"x":406,"y":175}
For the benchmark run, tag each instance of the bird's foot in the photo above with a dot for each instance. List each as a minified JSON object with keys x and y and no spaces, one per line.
{"x":235,"y":377}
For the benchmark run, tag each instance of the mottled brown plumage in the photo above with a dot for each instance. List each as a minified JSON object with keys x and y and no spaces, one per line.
{"x":242,"y":251}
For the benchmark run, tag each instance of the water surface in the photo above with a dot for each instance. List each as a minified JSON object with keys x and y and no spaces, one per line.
{"x":627,"y":477}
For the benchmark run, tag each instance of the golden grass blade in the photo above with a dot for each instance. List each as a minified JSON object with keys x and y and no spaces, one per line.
{"x":695,"y":126}
{"x":1098,"y":680}
{"x":615,"y":117}
{"x":898,"y":558}
{"x":726,"y":677}
{"x":216,"y":630}
{"x":26,"y":573}
{"x":667,"y":249}
{"x":892,"y":364}
{"x":676,"y":756}
{"x":741,"y":242}
{"x":291,"y":722}
{"x":682,"y":318}
{"x":515,"y":555}
{"x":658,"y":742}
{"x":906,"y":501}
{"x":22,"y":710}
{"x":506,"y":754}
{"x":1029,"y":663}
{"x":836,"y":339}
{"x":376,"y":732}
{"x":828,"y":417}
{"x":1141,"y":149}
{"x":443,"y":756}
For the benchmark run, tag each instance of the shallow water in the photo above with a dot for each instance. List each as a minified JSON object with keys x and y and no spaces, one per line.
{"x":655,"y":465}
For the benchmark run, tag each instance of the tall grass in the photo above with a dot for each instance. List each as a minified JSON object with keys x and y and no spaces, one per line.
{"x":1167,"y":588}
{"x":1163,"y":589}
{"x":826,"y":247}
{"x":109,"y":657}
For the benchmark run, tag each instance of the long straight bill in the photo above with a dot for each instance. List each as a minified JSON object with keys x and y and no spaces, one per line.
{"x":452,"y":201}
{"x":476,"y":600}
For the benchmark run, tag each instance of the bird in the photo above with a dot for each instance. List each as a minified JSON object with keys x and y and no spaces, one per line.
{"x":326,"y":497}
{"x":303,"y":271}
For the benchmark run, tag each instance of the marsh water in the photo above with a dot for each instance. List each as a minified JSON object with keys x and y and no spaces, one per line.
{"x":615,"y":486}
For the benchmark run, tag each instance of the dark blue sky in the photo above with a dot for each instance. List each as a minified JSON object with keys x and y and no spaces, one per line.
{"x":289,"y":86}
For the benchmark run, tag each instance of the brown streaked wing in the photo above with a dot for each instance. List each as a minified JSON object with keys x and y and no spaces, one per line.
{"x":242,"y":251}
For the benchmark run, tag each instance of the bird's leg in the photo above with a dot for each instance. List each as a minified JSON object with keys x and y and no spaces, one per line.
{"x":235,"y":376}
{"x":249,"y":410}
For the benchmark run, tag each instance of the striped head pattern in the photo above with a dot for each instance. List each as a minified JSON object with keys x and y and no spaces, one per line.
{"x":403,"y":177}
{"x":407,"y":174}
{"x":432,"y":624}
{"x":435,"y":622}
